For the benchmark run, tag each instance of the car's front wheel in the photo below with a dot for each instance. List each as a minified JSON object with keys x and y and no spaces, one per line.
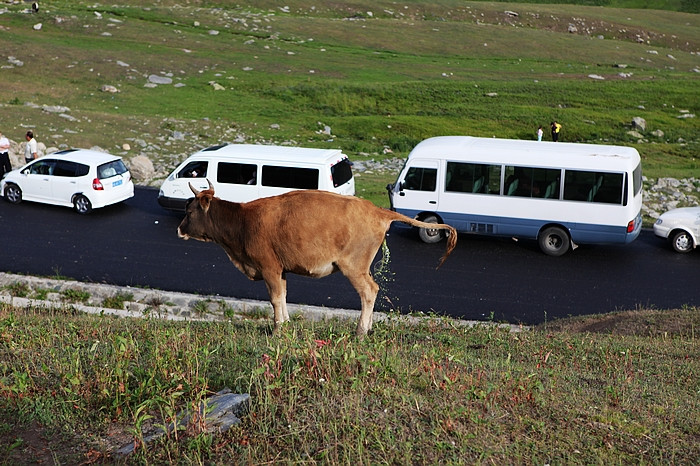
{"x":682,"y":242}
{"x":13,"y":193}
{"x":82,"y":204}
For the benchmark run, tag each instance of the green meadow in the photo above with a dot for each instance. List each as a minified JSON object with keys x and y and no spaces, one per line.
{"x":622,"y":388}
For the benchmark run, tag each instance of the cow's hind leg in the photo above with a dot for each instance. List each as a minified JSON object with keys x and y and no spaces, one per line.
{"x":277,"y":288}
{"x":367,"y":288}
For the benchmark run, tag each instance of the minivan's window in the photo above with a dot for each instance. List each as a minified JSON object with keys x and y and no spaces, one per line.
{"x":637,"y":182}
{"x":289,"y":177}
{"x":472,"y":178}
{"x":593,"y":186}
{"x":196,"y":169}
{"x":237,"y":173}
{"x":110,"y":169}
{"x":420,"y":179}
{"x":341,"y":172}
{"x":532,"y":182}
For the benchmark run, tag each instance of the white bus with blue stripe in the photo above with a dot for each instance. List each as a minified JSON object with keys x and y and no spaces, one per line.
{"x":560,"y":194}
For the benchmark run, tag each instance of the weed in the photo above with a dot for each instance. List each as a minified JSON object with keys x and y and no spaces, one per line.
{"x":75,"y":296}
{"x":117,"y":301}
{"x":201,"y":306}
{"x":256,"y":312}
{"x":18,"y":289}
{"x":41,"y":293}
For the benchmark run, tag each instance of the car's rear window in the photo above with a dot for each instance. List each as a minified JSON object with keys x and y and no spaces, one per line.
{"x":110,"y":169}
{"x":342,"y":172}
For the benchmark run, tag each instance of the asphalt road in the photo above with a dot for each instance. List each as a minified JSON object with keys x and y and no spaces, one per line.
{"x":136,"y":244}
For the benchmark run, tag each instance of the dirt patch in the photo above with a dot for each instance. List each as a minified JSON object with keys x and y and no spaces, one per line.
{"x":676,"y":322}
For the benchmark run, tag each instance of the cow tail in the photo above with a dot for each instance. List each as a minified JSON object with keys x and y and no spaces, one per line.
{"x":451,"y":233}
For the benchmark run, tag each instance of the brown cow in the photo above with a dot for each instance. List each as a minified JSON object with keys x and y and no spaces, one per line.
{"x":312,"y":233}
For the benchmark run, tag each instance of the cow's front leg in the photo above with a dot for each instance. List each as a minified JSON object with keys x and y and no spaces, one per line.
{"x":276,"y":287}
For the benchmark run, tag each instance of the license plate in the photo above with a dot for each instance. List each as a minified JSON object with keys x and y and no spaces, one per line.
{"x":116,"y":183}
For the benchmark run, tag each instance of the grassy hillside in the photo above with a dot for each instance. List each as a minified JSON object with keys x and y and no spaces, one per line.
{"x":617,"y":389}
{"x":381,"y":75}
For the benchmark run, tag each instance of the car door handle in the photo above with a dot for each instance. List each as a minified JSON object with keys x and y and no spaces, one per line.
{"x":432,"y":202}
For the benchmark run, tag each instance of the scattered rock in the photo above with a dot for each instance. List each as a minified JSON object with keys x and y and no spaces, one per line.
{"x":109,"y":88}
{"x":635,"y":134}
{"x":216,"y":415}
{"x":126,"y":146}
{"x":658,"y":133}
{"x":156,"y":79}
{"x":639,"y":123}
{"x":596,"y":76}
{"x":37,"y":27}
{"x":141,"y":168}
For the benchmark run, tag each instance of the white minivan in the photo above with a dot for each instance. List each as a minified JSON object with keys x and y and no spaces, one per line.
{"x":244,"y":172}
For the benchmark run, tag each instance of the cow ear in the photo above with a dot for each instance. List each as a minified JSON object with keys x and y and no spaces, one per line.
{"x":205,"y":202}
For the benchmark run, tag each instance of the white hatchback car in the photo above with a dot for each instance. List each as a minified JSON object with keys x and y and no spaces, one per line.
{"x":681,"y":226}
{"x":78,"y":178}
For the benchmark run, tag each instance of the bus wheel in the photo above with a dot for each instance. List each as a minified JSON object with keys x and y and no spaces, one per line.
{"x":554,"y":241}
{"x":430,"y":235}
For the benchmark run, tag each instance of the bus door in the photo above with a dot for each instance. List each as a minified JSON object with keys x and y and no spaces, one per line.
{"x":417,"y":191}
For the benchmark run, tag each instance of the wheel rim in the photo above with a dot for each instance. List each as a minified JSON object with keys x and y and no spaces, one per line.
{"x":13,"y":193}
{"x":682,"y":242}
{"x":82,"y":204}
{"x":554,"y":242}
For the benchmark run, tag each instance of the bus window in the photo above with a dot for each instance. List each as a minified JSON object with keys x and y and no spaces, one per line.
{"x":420,"y":179}
{"x":532,"y":182}
{"x":236,"y":173}
{"x":593,"y":186}
{"x":472,"y":178}
{"x":289,"y":177}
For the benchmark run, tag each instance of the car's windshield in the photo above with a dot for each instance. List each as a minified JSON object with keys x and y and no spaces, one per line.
{"x":110,"y":169}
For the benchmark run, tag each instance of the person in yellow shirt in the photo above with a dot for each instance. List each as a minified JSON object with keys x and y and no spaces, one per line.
{"x":556,"y":128}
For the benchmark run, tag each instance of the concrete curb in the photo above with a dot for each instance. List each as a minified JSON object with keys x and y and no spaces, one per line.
{"x":170,"y":305}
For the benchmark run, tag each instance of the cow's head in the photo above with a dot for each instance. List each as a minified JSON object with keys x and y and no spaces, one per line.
{"x":197,"y":224}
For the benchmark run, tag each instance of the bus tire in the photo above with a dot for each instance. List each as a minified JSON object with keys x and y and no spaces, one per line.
{"x":430,"y":235}
{"x":554,"y":241}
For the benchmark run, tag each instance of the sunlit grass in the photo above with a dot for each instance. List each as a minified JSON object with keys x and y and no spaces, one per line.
{"x":430,"y":392}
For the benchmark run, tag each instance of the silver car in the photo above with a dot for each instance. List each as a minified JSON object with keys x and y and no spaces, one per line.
{"x":680,"y":226}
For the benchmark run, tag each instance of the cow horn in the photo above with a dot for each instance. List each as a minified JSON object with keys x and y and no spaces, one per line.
{"x":210,"y":185}
{"x":194,"y":190}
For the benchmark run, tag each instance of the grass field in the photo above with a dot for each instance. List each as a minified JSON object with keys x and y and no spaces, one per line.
{"x":616,"y":389}
{"x":379,"y":74}
{"x":621,"y":388}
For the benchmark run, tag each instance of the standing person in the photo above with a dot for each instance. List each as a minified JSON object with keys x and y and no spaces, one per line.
{"x":30,"y":149}
{"x":5,"y":165}
{"x":540,"y":132}
{"x":556,"y":128}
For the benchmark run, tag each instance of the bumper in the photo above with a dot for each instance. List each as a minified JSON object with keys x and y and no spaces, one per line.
{"x":661,"y":231}
{"x":172,"y":203}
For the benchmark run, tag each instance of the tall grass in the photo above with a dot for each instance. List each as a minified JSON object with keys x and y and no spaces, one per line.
{"x":426,"y":393}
